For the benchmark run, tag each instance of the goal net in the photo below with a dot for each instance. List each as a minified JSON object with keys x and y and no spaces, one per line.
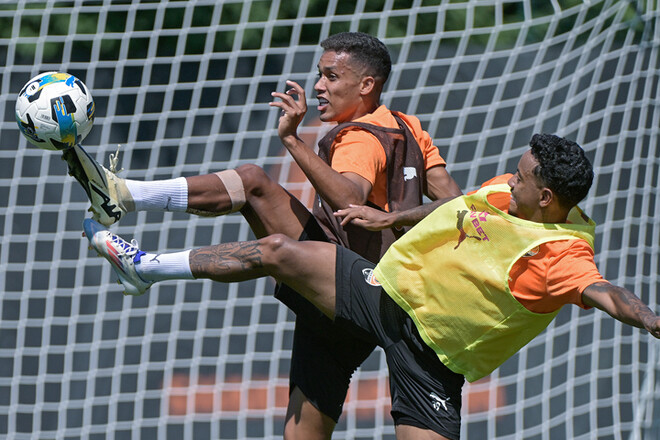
{"x":184,"y":87}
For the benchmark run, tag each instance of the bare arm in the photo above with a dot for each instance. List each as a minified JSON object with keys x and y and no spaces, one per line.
{"x":440,"y":188}
{"x":376,"y":220}
{"x":440,"y":185}
{"x":338,"y":189}
{"x":622,"y":305}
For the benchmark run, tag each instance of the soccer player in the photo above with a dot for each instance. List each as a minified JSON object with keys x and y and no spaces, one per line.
{"x":373,"y":156}
{"x":449,"y":300}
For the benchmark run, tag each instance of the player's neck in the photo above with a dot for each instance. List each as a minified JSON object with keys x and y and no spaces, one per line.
{"x":364,"y":109}
{"x":550,"y":215}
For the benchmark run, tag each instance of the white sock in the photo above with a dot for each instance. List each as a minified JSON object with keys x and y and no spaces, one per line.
{"x":159,"y":267}
{"x":159,"y":195}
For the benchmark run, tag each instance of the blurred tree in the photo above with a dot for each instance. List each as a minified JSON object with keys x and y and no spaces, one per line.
{"x":255,"y":18}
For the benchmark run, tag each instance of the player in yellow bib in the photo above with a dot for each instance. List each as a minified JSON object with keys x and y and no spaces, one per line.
{"x":452,"y":299}
{"x":476,"y":331}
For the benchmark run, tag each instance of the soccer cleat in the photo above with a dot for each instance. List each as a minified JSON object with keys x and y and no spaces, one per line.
{"x":121,"y":254}
{"x":107,"y":192}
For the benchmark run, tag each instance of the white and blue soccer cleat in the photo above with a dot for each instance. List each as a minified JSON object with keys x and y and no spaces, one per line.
{"x":121,"y":254}
{"x":108,"y":194}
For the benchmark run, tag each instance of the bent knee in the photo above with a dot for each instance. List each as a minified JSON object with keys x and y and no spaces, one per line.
{"x":255,"y":179}
{"x":278,"y":249}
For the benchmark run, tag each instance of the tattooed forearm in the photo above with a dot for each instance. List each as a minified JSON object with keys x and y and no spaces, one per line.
{"x":627,"y":307}
{"x":227,"y":262}
{"x":636,"y":306}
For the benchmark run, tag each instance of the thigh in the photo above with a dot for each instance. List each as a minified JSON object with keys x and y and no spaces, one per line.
{"x":288,"y":296}
{"x":303,"y":420}
{"x":270,"y":209}
{"x":308,"y":267}
{"x":410,"y":432}
{"x":358,"y":297}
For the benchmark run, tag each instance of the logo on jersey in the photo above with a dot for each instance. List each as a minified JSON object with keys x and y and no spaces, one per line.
{"x":460,"y":215}
{"x":409,"y":173}
{"x":532,"y":252}
{"x":477,"y":218}
{"x":438,"y":402}
{"x":370,"y":278}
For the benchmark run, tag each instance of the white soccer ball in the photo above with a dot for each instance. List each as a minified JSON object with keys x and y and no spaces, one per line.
{"x":55,"y":111}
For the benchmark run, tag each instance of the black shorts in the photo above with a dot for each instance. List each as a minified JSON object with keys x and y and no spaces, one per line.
{"x":324,"y":355}
{"x":425,"y":393}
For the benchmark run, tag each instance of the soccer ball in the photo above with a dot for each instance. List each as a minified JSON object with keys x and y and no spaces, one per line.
{"x":55,"y":111}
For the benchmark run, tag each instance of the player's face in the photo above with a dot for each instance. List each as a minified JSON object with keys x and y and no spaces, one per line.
{"x":525,"y":189}
{"x":338,"y":88}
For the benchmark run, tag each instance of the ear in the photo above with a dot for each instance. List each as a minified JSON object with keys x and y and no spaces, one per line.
{"x":367,"y":85}
{"x":547,"y":197}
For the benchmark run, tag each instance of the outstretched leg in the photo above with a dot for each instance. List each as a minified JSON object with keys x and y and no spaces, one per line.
{"x":306,"y":266}
{"x":266,"y":205}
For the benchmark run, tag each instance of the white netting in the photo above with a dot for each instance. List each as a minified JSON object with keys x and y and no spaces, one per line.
{"x":184,"y":86}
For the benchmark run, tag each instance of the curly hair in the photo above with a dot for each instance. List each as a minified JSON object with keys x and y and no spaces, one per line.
{"x":563,"y":167}
{"x":364,"y":49}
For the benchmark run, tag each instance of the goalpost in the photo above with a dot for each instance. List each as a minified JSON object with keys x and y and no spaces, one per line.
{"x":184,"y":86}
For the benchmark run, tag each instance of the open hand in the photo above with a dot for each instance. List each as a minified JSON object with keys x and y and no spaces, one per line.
{"x":365,"y":217}
{"x":293,"y":110}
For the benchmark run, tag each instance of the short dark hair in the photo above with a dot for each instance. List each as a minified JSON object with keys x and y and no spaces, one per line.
{"x":563,"y":167}
{"x":364,"y":49}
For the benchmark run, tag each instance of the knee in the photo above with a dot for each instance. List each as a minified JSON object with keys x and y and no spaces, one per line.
{"x":277,"y":250}
{"x":255,"y":180}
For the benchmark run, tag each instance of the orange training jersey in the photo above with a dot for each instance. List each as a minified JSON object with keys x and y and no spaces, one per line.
{"x":358,"y":151}
{"x":554,"y":274}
